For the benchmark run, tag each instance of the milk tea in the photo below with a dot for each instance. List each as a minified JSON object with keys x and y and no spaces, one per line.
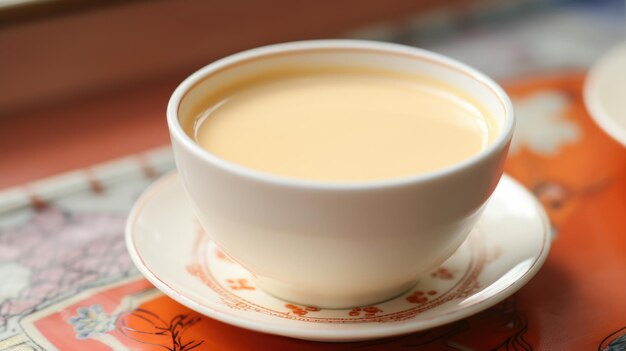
{"x":340,"y":124}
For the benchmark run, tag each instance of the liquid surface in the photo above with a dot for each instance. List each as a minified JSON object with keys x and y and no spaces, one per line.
{"x":342,"y":126}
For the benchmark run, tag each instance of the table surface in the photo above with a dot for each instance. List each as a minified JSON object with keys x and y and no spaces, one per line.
{"x":63,"y":260}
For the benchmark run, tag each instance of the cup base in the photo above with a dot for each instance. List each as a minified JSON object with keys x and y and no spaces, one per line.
{"x":322,"y":299}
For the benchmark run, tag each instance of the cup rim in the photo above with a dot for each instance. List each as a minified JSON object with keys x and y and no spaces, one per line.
{"x":177,"y":132}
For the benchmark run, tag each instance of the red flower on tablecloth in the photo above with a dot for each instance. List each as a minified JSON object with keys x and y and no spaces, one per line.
{"x":149,"y":328}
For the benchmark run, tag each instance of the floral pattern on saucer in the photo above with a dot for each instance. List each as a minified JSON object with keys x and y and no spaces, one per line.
{"x":504,"y":250}
{"x":456,"y":280}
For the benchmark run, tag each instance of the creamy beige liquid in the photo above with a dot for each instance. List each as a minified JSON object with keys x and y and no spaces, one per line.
{"x":342,"y":125}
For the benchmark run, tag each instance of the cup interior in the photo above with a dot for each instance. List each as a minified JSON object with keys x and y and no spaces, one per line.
{"x":187,"y":101}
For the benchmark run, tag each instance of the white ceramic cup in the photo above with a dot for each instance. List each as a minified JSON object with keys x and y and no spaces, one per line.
{"x":341,"y":244}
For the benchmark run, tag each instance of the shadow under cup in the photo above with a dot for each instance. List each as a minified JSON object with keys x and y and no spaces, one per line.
{"x":330,"y":244}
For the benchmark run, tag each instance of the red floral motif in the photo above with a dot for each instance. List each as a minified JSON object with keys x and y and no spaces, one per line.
{"x":222,"y":256}
{"x":301,"y":311}
{"x":420,"y":296}
{"x":369,"y":311}
{"x":442,"y":273}
{"x":466,"y":282}
{"x":239,"y":284}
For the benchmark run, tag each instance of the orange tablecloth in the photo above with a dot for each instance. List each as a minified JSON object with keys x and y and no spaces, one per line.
{"x":576,"y":301}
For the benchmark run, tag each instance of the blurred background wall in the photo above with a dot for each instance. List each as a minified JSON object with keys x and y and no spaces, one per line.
{"x":57,"y":50}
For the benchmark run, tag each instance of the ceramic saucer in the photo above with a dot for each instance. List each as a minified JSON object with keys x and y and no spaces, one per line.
{"x":502,"y":253}
{"x":605,"y":88}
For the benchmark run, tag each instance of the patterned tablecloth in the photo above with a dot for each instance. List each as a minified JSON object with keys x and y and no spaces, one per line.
{"x":67,"y":282}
